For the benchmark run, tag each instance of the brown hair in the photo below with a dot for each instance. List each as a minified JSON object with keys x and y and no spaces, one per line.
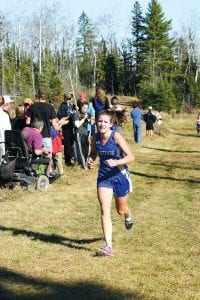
{"x":84,"y":103}
{"x":108,"y":113}
{"x":19,"y":110}
{"x":100,"y":94}
{"x":1,"y":100}
{"x":114,"y":100}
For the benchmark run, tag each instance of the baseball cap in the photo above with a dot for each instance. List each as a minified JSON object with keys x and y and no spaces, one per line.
{"x":68,"y":96}
{"x":83,"y":96}
{"x":7,"y":99}
{"x":150,"y":107}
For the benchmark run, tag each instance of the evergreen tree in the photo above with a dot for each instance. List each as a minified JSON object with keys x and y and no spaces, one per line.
{"x":102,"y":53}
{"x":112,"y":72}
{"x":138,"y":28}
{"x":158,"y":63}
{"x":128,"y":73}
{"x":85,"y":45}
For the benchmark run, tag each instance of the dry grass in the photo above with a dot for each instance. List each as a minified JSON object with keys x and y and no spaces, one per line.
{"x":48,"y":240}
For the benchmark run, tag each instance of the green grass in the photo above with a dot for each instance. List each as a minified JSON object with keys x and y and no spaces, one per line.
{"x":49,"y":239}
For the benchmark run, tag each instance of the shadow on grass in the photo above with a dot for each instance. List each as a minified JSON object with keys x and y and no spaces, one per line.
{"x":52,"y":238}
{"x":170,"y":166}
{"x":169,"y":150}
{"x":165,"y":177}
{"x":22,"y":287}
{"x":187,"y":135}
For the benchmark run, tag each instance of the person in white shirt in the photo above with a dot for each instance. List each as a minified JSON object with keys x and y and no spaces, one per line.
{"x":4,"y":122}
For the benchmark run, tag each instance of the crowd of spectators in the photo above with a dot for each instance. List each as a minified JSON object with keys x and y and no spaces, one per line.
{"x":62,"y":134}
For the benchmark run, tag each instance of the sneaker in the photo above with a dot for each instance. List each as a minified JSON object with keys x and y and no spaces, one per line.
{"x":129,"y":223}
{"x":106,"y":250}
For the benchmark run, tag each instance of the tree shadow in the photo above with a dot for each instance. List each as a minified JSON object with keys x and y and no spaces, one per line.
{"x":169,"y":150}
{"x":170,"y":165}
{"x":52,"y":238}
{"x":187,"y":135}
{"x":165,"y":177}
{"x":17,"y":286}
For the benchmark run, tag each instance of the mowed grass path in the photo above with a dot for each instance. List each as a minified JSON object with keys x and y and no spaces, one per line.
{"x":49,"y":239}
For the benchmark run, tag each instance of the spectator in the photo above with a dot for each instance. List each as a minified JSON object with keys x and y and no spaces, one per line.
{"x":57,"y":149}
{"x":19,"y":122}
{"x":115,"y":106}
{"x":33,"y":138}
{"x":119,"y":114}
{"x":81,"y":120}
{"x":136,"y":115}
{"x":5,"y":123}
{"x":82,"y":98}
{"x":159,"y":118}
{"x":27,"y":102}
{"x":150,"y":119}
{"x":100,"y":102}
{"x":198,"y":123}
{"x":91,"y":120}
{"x":66,"y":110}
{"x":45,"y":112}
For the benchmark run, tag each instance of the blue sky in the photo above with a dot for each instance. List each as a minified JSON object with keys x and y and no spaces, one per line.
{"x":181,"y":12}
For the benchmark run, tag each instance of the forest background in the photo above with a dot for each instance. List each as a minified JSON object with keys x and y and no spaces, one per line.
{"x":42,"y":51}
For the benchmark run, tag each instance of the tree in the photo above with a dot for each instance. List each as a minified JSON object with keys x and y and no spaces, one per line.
{"x":112,"y":72}
{"x":158,"y":63}
{"x":3,"y":37}
{"x":138,"y":39}
{"x":85,"y":45}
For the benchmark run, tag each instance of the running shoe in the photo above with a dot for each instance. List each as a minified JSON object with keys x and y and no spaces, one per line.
{"x":129,"y":223}
{"x":106,"y":250}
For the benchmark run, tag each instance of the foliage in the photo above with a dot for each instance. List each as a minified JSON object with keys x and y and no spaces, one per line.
{"x":43,"y":51}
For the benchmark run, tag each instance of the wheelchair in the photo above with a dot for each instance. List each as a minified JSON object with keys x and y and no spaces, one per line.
{"x":20,"y":167}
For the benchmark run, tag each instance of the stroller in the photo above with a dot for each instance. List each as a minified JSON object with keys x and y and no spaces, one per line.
{"x":20,"y":166}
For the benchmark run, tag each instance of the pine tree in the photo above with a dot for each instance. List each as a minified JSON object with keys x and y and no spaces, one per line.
{"x":158,"y":63}
{"x":138,"y":35}
{"x":112,"y":72}
{"x":85,"y":45}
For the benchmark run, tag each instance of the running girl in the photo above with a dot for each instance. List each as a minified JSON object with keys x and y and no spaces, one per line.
{"x":113,"y":176}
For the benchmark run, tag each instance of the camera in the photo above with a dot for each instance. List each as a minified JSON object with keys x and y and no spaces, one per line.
{"x":83,"y":115}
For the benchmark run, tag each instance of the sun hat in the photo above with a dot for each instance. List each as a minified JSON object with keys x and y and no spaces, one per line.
{"x":28,"y":101}
{"x":7,"y":99}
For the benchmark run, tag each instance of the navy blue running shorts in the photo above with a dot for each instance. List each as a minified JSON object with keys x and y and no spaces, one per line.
{"x":118,"y":183}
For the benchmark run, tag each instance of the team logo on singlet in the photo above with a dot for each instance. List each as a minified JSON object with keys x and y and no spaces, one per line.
{"x":106,"y":153}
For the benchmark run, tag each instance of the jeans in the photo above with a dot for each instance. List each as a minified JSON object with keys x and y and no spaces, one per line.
{"x":137,"y":133}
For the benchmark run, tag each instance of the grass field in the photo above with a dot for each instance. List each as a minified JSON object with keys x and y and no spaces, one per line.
{"x":49,"y":239}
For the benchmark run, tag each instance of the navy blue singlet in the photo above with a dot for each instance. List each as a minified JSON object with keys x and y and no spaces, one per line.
{"x":108,"y":151}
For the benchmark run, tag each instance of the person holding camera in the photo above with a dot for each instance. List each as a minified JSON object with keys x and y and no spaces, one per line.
{"x":66,"y":110}
{"x":81,"y":120}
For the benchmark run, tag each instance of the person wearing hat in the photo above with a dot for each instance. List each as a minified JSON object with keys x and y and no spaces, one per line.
{"x":66,"y":110}
{"x":5,"y":123}
{"x":150,"y":119}
{"x":82,"y":98}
